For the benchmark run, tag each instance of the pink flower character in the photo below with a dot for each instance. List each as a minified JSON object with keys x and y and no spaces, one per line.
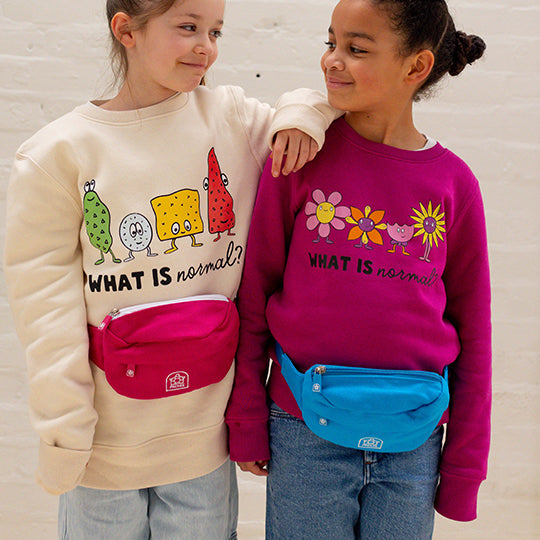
{"x":323,"y":213}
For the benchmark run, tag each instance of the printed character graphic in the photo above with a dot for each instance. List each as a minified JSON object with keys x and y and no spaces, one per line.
{"x":367,"y":226}
{"x":400,"y":236}
{"x":98,"y":221}
{"x":220,"y":203}
{"x":136,"y":235}
{"x":178,"y":215}
{"x":430,"y":223}
{"x":325,"y":213}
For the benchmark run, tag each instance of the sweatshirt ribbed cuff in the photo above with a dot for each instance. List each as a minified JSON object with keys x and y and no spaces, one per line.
{"x":457,"y":497}
{"x":60,"y":470}
{"x":248,"y":441}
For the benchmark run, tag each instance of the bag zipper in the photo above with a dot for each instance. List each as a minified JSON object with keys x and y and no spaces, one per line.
{"x":120,"y":312}
{"x":320,"y":370}
{"x":116,"y":312}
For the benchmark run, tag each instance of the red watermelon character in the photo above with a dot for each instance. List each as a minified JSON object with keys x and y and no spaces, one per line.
{"x":220,"y":203}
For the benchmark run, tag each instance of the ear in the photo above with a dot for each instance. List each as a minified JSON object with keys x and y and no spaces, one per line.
{"x":121,"y":28}
{"x":420,"y":67}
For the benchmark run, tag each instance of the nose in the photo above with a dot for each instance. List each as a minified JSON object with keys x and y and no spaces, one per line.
{"x":332,"y":60}
{"x":204,"y":45}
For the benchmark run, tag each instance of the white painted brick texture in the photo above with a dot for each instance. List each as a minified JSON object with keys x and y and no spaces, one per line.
{"x":53,"y":56}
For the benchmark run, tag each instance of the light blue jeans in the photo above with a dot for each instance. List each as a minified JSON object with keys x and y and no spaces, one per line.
{"x":319,"y":490}
{"x":205,"y":508}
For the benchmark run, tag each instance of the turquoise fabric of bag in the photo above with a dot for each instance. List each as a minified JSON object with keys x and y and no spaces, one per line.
{"x":379,"y":410}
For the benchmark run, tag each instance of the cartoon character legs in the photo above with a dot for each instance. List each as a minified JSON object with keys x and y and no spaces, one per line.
{"x":102,"y":259}
{"x":194,"y":243}
{"x":173,"y":247}
{"x":425,"y":257}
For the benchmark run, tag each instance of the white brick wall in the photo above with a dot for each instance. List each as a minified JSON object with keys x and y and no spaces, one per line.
{"x":53,"y":56}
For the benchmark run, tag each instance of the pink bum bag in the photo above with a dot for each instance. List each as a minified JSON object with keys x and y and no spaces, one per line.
{"x":163,"y":349}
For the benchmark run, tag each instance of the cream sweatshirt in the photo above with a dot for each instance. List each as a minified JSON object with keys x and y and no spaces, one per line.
{"x":61,"y":277}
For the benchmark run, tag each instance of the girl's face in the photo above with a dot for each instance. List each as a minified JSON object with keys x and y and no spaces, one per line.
{"x":174,"y":50}
{"x":363,"y":69}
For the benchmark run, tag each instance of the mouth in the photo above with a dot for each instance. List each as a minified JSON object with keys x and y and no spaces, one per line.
{"x":198,"y":67}
{"x":333,"y":83}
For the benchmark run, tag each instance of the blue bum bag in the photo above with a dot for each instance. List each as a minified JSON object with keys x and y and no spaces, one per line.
{"x":380,"y":410}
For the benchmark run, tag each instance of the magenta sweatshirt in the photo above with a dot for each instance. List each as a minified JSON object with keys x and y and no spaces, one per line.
{"x":376,"y":257}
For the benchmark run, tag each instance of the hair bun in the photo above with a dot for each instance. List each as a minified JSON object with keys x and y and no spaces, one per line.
{"x":468,"y":49}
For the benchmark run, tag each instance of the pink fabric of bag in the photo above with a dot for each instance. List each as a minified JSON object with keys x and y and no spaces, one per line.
{"x":164,"y":349}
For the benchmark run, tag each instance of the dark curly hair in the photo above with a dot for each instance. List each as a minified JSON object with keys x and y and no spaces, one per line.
{"x":427,"y":24}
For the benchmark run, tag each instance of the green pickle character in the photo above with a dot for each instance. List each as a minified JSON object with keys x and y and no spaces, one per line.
{"x":98,"y":220}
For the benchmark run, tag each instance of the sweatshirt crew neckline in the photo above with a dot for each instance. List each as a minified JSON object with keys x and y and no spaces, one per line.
{"x":426,"y":154}
{"x":94,"y":111}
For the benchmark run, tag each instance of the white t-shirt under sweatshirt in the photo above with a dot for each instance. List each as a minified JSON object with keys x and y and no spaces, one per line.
{"x":60,"y":278}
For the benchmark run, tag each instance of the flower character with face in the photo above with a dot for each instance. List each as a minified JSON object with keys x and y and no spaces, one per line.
{"x":366,"y":225}
{"x":400,"y":236}
{"x":323,"y":213}
{"x":430,"y":223}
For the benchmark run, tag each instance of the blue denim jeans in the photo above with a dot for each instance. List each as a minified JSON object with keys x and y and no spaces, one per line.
{"x":318,"y":490}
{"x":205,"y":508}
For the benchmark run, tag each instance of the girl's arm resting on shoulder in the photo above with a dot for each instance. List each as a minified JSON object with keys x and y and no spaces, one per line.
{"x":45,"y":284}
{"x":303,"y":109}
{"x":464,"y":459}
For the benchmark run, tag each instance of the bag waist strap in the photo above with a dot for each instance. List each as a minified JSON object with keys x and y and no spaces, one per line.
{"x":95,"y":346}
{"x":293,"y":377}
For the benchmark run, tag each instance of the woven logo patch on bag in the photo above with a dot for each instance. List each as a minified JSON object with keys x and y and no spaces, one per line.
{"x":179,"y":380}
{"x":370,"y":443}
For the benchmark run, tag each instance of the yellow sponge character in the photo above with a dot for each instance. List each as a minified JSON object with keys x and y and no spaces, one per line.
{"x":178,"y":215}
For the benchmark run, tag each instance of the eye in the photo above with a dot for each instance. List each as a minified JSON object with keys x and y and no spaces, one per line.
{"x":175,"y":228}
{"x":187,"y":225}
{"x":205,"y":184}
{"x":188,"y":27}
{"x":331,"y":46}
{"x":87,"y":187}
{"x":139,"y":229}
{"x":92,"y":185}
{"x":133,"y":230}
{"x":216,"y":34}
{"x":356,"y":50}
{"x":224,"y":179}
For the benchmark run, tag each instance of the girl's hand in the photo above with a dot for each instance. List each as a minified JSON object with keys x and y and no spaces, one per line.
{"x":258,"y":468}
{"x":297,"y":146}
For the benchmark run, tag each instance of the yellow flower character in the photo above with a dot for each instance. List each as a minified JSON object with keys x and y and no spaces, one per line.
{"x":429,"y":223}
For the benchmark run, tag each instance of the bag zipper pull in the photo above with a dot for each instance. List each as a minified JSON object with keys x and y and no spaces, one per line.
{"x":114,"y":312}
{"x":317,"y":387}
{"x":130,"y":370}
{"x":317,"y":378}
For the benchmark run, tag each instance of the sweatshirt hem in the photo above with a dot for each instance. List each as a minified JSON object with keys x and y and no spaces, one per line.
{"x":162,"y":461}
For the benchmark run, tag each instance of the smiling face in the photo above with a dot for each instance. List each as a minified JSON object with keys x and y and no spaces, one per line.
{"x":400,"y":233}
{"x":363,"y":69}
{"x":326,"y":212}
{"x":135,"y":232}
{"x":173,"y":51}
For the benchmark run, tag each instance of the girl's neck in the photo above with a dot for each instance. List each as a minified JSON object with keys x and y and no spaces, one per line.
{"x":128,"y":100}
{"x":396,"y":130}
